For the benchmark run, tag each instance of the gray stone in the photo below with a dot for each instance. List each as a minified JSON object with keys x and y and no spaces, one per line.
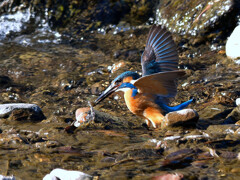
{"x":19,"y":111}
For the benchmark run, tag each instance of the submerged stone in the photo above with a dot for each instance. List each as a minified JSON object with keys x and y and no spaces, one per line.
{"x":222,"y":129}
{"x":215,"y":112}
{"x":233,"y":117}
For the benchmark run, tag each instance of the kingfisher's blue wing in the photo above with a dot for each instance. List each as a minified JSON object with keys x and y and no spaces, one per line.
{"x":162,"y":85}
{"x":160,"y":53}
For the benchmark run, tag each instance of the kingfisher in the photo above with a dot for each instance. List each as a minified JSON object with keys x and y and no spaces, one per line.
{"x":148,"y":96}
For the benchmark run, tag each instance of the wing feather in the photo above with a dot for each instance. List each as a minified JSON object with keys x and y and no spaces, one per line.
{"x":160,"y":84}
{"x":160,"y":53}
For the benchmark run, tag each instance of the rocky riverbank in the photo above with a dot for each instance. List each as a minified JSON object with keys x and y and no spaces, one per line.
{"x":57,"y":66}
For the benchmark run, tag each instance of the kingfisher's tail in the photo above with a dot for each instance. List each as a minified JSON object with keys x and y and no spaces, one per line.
{"x":175,"y":108}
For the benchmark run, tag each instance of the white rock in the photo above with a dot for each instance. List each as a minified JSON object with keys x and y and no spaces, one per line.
{"x":8,"y":108}
{"x":50,"y":177}
{"x":233,"y":44}
{"x":63,"y":174}
{"x":7,"y":177}
{"x":238,"y":101}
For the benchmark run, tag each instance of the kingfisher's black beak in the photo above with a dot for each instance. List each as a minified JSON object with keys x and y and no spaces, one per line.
{"x":111,"y":89}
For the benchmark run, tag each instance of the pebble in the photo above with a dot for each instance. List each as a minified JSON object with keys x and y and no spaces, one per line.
{"x":84,"y":115}
{"x":81,"y":116}
{"x":63,"y":174}
{"x":233,"y":44}
{"x":185,"y":117}
{"x":21,"y":110}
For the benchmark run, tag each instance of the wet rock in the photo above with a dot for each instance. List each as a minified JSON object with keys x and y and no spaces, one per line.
{"x":233,"y":44}
{"x":175,"y":176}
{"x":137,"y":154}
{"x":63,"y":174}
{"x":22,"y":112}
{"x":200,"y":164}
{"x":233,"y":117}
{"x":26,"y":115}
{"x":7,"y":177}
{"x":185,"y":118}
{"x":205,"y":20}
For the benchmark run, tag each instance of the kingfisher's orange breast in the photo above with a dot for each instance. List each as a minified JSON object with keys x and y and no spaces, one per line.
{"x":138,"y":103}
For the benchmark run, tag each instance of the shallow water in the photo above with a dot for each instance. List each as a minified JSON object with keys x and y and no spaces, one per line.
{"x":61,"y":77}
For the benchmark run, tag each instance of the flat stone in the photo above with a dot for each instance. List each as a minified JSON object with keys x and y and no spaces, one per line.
{"x":63,"y":174}
{"x":233,"y":44}
{"x":21,"y":111}
{"x":185,"y":117}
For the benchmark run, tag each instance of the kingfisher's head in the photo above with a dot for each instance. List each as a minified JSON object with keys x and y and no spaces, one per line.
{"x":117,"y":84}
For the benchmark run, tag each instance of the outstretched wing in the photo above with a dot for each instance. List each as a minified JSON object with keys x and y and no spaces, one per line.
{"x":160,"y":53}
{"x":161,"y":84}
